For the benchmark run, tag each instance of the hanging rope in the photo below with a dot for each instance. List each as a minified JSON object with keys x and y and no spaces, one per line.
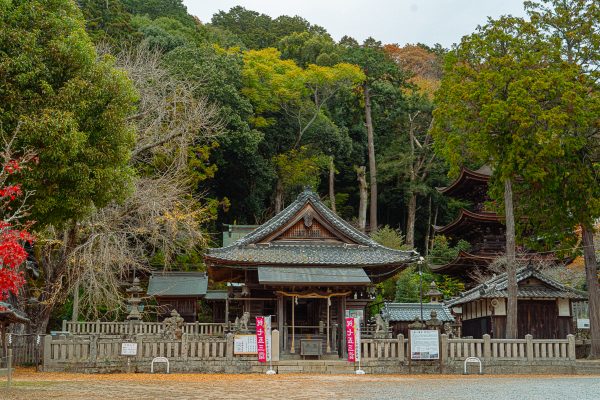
{"x":312,"y":295}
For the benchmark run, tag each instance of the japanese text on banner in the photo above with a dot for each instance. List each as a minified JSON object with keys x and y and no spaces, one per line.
{"x":350,"y":339}
{"x":261,"y":343}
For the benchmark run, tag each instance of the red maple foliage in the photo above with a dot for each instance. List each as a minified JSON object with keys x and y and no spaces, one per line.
{"x":13,"y":237}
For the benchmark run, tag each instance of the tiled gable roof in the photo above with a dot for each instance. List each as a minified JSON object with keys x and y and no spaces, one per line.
{"x":408,"y":312}
{"x":284,"y":216}
{"x":178,"y":284}
{"x":497,"y":287}
{"x":364,"y":251}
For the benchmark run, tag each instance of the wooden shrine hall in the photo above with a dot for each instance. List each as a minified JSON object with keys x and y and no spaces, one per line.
{"x":309,"y":269}
{"x":544,"y":306}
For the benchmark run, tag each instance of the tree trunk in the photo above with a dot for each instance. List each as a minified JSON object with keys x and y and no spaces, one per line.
{"x":362,"y":206}
{"x":591,"y":275}
{"x":75,"y":314}
{"x":278,"y":196}
{"x":412,"y":202}
{"x":435,"y":216}
{"x":332,"y":184}
{"x":410,"y":223}
{"x":428,"y":231}
{"x":372,"y":166}
{"x":56,"y":285}
{"x":511,"y":262}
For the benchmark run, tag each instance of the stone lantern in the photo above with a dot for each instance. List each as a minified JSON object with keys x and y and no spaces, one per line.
{"x":134,"y":301}
{"x":435,"y":296}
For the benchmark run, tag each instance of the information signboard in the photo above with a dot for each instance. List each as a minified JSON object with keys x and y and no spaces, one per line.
{"x":129,"y":349}
{"x":424,"y":345}
{"x":244,"y":344}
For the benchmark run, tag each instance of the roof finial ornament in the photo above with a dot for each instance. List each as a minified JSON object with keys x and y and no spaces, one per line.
{"x":308,"y":189}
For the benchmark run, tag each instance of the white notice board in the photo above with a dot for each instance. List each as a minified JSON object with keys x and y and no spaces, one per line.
{"x":129,"y":349}
{"x":244,"y":344}
{"x":424,"y":345}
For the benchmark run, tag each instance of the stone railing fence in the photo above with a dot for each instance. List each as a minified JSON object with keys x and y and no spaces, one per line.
{"x":388,"y":349}
{"x":95,"y":352}
{"x":528,"y":349}
{"x":139,"y":328}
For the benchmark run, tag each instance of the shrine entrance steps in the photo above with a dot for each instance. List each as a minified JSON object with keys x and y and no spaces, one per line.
{"x":315,"y":367}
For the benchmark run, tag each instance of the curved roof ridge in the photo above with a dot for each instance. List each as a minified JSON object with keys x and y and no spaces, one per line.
{"x":307,"y":195}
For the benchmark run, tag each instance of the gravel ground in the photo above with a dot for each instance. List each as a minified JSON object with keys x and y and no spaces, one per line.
{"x":29,"y":385}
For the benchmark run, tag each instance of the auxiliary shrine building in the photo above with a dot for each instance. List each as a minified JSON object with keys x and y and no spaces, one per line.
{"x":309,"y":269}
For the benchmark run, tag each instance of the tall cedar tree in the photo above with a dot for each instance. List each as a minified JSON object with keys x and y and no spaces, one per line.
{"x":507,"y":100}
{"x":569,"y":188}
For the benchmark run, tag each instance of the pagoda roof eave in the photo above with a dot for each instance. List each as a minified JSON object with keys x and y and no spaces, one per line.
{"x":482,"y":175}
{"x":464,"y":216}
{"x":463,"y":259}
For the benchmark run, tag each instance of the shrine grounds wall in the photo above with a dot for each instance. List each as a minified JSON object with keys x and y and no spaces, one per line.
{"x":211,"y":354}
{"x":251,"y":366}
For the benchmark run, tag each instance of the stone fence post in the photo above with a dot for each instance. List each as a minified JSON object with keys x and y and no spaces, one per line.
{"x":93,"y":354}
{"x":184,"y":346}
{"x":275,"y":345}
{"x":487,"y":346}
{"x":529,"y":347}
{"x":140,"y":348}
{"x":229,"y":346}
{"x":64,"y":325}
{"x":400,"y":339}
{"x":444,"y":348}
{"x":571,"y":347}
{"x":47,"y":360}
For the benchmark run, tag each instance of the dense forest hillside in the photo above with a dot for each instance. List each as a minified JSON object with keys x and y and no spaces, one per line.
{"x":291,"y":105}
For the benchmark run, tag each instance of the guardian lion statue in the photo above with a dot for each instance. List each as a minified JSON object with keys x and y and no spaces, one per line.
{"x":241,"y":324}
{"x":381,"y":326}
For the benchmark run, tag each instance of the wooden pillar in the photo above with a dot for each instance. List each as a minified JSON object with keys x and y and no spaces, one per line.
{"x":3,"y":337}
{"x":328,"y":300}
{"x":280,"y":320}
{"x":292,"y":345}
{"x":343,"y":325}
{"x":227,"y":312}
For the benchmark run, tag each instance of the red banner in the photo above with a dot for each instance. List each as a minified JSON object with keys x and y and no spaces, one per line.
{"x":350,"y":339}
{"x":261,"y":342}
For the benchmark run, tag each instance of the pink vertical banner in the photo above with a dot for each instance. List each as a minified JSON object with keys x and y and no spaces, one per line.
{"x":350,"y":339}
{"x":261,"y":341}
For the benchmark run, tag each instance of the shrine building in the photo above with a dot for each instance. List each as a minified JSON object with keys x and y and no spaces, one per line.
{"x":544,"y":306}
{"x":309,"y":269}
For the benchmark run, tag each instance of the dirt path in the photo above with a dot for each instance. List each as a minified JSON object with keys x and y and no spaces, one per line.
{"x":30,"y":385}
